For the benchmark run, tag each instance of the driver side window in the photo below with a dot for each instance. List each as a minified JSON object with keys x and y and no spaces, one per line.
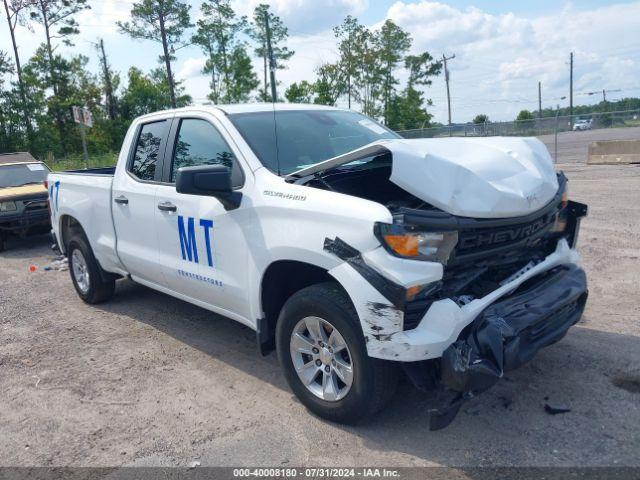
{"x":199,"y":143}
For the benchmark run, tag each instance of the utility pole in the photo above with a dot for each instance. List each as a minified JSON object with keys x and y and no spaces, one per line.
{"x":446,"y":77}
{"x":539,"y":99}
{"x":108,"y":86}
{"x":604,"y":96}
{"x":272,"y":61}
{"x":85,"y":154}
{"x":571,"y":89}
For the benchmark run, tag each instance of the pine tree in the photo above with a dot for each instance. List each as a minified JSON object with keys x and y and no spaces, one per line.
{"x":162,"y":21}
{"x":279,"y":35}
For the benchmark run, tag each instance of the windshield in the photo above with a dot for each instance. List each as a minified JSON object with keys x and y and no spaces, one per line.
{"x":305,"y":137}
{"x":16,"y":175}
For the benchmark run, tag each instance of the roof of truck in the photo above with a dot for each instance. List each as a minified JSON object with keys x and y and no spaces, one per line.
{"x":268,"y":107}
{"x":256,"y":107}
{"x":241,"y":108}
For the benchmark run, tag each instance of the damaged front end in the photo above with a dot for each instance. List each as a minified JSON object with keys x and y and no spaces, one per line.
{"x":508,"y":334}
{"x":477,"y":270}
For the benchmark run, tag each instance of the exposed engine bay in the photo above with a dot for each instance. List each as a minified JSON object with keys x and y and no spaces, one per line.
{"x":488,"y":252}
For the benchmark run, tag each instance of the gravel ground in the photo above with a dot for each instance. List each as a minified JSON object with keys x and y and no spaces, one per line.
{"x":149,"y":380}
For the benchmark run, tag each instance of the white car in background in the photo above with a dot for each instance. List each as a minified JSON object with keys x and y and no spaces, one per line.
{"x":582,"y":125}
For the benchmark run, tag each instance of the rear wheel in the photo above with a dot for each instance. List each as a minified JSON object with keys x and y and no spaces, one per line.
{"x":91,"y":283}
{"x":324,"y":358}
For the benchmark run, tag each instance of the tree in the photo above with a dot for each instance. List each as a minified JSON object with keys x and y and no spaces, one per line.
{"x":407,"y":110}
{"x":346,"y":34}
{"x":392,"y":44}
{"x":15,"y":10}
{"x":109,"y":81}
{"x":76,"y":87}
{"x":524,"y":115}
{"x":148,"y":93}
{"x":217,"y":35}
{"x":480,"y":118}
{"x":162,"y":21}
{"x":52,"y":14}
{"x":243,"y":79}
{"x":6,"y":140}
{"x":299,"y":92}
{"x":279,"y":35}
{"x":368,"y":73}
{"x":330,"y":84}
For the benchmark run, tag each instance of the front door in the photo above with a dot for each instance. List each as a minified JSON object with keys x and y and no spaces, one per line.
{"x":202,"y":246}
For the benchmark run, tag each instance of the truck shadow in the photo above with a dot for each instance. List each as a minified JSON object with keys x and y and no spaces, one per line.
{"x":592,"y":372}
{"x":28,"y":247}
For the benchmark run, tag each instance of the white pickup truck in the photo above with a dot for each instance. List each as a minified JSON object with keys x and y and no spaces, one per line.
{"x":353,"y":252}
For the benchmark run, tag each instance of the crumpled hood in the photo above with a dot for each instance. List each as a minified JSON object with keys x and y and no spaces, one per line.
{"x":486,"y":177}
{"x":481,"y":177}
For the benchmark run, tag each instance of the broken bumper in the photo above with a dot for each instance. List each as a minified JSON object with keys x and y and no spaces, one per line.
{"x":508,"y":334}
{"x":444,"y":321}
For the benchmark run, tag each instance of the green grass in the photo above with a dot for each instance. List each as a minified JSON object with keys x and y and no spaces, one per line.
{"x":75,"y":162}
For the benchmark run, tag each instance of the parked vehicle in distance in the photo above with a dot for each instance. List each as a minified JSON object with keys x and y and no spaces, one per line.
{"x":23,"y":196}
{"x":353,"y":252}
{"x":582,"y":125}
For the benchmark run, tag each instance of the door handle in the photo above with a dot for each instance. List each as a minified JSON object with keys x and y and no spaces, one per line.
{"x":121,"y":200}
{"x":167,"y":207}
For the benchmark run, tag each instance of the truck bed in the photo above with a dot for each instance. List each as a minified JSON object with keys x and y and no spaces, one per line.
{"x":85,"y":196}
{"x":104,"y":171}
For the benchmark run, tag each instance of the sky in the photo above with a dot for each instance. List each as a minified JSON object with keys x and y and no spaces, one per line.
{"x":502,"y":48}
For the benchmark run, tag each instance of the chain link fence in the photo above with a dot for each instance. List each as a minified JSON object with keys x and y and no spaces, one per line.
{"x":531,"y":128}
{"x":566,"y":137}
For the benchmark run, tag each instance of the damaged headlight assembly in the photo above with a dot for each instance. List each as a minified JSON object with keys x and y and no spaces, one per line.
{"x":410,"y":242}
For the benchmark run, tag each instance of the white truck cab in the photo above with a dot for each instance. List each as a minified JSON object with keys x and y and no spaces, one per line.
{"x":355,"y":253}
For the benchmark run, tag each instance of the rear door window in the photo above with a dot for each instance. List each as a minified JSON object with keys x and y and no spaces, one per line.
{"x":145,"y":159}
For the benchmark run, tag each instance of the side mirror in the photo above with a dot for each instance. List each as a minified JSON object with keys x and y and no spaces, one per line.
{"x":208,"y":180}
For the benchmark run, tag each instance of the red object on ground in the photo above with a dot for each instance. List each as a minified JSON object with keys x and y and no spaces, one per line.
{"x":32,"y":268}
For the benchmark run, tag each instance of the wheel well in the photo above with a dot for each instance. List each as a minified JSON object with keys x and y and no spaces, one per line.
{"x":281,"y":280}
{"x":68,"y":227}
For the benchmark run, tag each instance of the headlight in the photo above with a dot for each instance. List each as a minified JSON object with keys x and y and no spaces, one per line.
{"x":8,"y":207}
{"x":560,"y":225}
{"x":408,"y":242}
{"x":565,"y":197}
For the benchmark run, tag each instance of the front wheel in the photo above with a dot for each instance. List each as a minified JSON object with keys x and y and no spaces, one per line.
{"x":86,"y":274}
{"x":323,"y":354}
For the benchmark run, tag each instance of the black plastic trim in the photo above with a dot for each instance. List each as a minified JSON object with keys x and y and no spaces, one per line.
{"x":393,"y":292}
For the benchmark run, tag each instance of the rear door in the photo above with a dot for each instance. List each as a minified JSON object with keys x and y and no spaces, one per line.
{"x":134,"y":196}
{"x":202,"y":247}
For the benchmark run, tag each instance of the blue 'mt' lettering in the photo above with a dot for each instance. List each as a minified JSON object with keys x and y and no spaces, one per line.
{"x":206,"y":225}
{"x":188,"y":245}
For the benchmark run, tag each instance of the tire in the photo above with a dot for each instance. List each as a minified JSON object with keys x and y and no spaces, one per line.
{"x":373,"y":381}
{"x":96,"y":286}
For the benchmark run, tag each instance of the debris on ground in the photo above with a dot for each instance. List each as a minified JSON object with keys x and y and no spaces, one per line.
{"x":194,"y":464}
{"x":59,"y":263}
{"x":555,"y":409}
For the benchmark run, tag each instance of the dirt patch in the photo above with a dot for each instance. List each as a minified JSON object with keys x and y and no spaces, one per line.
{"x":628,"y":383}
{"x":148,"y":380}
